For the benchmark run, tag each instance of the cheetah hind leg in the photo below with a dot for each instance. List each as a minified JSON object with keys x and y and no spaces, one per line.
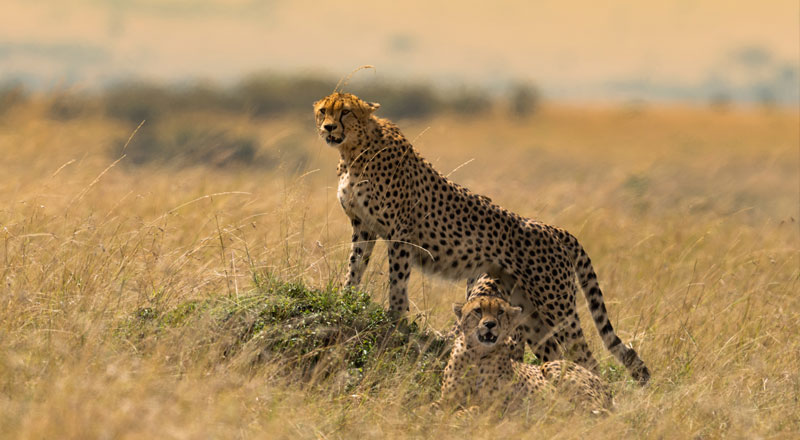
{"x":566,"y":340}
{"x":573,"y":344}
{"x":586,"y":388}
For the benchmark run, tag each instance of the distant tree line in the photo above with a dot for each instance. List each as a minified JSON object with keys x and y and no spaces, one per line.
{"x":170,"y":139}
{"x":268,"y":94}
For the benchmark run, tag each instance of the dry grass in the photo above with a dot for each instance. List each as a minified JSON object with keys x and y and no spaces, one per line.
{"x":691,"y":218}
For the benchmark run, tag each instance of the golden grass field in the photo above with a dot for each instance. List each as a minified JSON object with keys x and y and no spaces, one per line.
{"x":690,"y":217}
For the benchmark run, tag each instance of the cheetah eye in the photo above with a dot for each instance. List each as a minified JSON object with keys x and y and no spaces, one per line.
{"x":322,"y":111}
{"x":345,"y":111}
{"x":478,"y":312}
{"x":500,"y":312}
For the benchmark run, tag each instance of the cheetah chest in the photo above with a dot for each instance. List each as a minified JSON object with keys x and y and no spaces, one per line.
{"x":354,"y":195}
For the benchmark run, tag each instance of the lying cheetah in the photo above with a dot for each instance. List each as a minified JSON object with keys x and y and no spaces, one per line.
{"x":481,"y":370}
{"x":389,"y":191}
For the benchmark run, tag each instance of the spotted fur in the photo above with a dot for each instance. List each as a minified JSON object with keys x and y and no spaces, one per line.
{"x":389,"y":191}
{"x":481,"y":370}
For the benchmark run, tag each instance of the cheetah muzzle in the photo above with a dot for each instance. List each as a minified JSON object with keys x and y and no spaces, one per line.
{"x":487,"y":338}
{"x":333,"y":141}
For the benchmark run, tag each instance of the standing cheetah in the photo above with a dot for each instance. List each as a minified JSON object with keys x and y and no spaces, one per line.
{"x":481,"y":370}
{"x":389,"y":191}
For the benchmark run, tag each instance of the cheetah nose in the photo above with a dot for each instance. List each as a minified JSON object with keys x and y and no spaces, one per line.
{"x":329,"y":127}
{"x":491,"y":324}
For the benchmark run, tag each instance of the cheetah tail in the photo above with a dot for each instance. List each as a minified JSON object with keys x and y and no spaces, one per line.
{"x":594,"y":298}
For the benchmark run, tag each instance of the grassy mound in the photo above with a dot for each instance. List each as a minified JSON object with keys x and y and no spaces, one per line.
{"x":329,"y":337}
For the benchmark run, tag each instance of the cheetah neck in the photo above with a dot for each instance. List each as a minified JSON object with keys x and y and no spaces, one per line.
{"x":499,"y":357}
{"x":354,"y":153}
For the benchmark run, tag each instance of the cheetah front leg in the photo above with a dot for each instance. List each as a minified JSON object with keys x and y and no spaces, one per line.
{"x":360,"y":251}
{"x":456,"y":374}
{"x":399,"y":271}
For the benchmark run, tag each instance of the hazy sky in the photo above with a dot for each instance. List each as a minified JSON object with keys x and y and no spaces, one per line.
{"x":569,"y":47}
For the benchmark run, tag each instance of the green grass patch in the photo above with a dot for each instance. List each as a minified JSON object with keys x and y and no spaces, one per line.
{"x":314,"y":335}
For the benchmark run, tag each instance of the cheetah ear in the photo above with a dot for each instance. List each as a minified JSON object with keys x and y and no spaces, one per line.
{"x":365,"y":109}
{"x":513,"y":312}
{"x":457,"y":307}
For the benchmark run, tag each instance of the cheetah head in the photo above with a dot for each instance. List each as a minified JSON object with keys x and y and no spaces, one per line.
{"x":485,"y":320}
{"x":341,"y":117}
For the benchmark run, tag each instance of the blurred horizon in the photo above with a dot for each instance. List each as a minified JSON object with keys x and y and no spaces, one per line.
{"x":675,"y":51}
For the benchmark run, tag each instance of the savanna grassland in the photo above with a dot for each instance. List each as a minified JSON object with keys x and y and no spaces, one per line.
{"x":128,"y":277}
